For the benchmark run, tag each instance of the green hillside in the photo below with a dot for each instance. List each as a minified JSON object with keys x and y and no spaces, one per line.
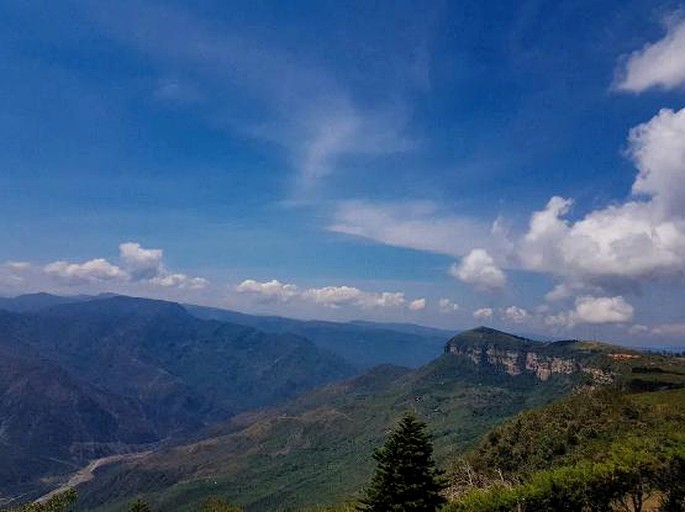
{"x":87,"y":379}
{"x":619,"y":447}
{"x":317,"y":449}
{"x":599,"y":450}
{"x":508,"y":415}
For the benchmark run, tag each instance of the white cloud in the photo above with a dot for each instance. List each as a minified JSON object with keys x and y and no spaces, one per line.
{"x":97,"y":269}
{"x":417,"y":305}
{"x":139,"y":262}
{"x":483,"y":313}
{"x":272,"y":290}
{"x":594,"y":310}
{"x":415,"y":225}
{"x":447,"y":306}
{"x":607,"y":250}
{"x":675,"y":329}
{"x":335,"y":129}
{"x":336,"y":296}
{"x":515,"y":314}
{"x":567,"y":290}
{"x":660,"y":64}
{"x":138,"y":265}
{"x":658,"y":149}
{"x":642,"y":239}
{"x":328,"y":296}
{"x":17,"y":265}
{"x":301,"y":107}
{"x":603,"y":310}
{"x":181,"y":281}
{"x":478,"y":268}
{"x":14,"y":273}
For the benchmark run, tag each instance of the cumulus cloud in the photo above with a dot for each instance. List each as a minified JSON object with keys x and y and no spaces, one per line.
{"x":272,"y":290}
{"x":483,"y":313}
{"x":594,"y":310}
{"x":97,"y":269}
{"x":658,"y":150}
{"x":139,"y":262}
{"x":660,"y":64}
{"x":138,"y":265}
{"x":478,"y":268}
{"x":336,"y":296}
{"x":181,"y":281}
{"x":515,"y":314}
{"x":641,"y":239}
{"x":609,"y":250}
{"x":328,"y":296}
{"x":447,"y":306}
{"x":417,"y":305}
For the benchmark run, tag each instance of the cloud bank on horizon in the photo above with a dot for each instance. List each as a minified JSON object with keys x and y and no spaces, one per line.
{"x":366,"y":216}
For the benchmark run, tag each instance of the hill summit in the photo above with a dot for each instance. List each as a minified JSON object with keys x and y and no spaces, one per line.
{"x":517,"y":355}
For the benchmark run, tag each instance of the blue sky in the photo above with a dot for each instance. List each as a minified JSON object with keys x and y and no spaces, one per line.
{"x":382,"y":160}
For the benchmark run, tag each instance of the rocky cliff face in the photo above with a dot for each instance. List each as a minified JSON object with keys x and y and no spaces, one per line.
{"x":516,"y":356}
{"x":516,"y":362}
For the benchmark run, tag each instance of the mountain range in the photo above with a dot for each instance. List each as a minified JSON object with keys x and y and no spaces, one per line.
{"x":316,"y":449}
{"x":85,"y":377}
{"x":271,"y":412}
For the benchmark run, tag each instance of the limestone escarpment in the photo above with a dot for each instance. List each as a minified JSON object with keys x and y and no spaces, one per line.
{"x":517,"y":356}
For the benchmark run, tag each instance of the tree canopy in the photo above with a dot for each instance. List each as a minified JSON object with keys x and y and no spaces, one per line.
{"x":406,"y":477}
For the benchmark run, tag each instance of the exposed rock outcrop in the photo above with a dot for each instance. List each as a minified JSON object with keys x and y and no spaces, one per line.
{"x":516,"y":356}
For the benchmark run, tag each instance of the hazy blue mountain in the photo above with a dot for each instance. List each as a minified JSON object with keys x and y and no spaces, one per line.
{"x":367,"y":344}
{"x":133,"y":371}
{"x":419,"y":330}
{"x":37,"y":301}
{"x":51,"y":422}
{"x":364,"y":343}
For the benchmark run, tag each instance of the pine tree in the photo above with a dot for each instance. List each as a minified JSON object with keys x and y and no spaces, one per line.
{"x":406,"y":478}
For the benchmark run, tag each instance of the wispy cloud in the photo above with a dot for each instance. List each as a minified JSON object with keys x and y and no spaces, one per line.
{"x":419,"y":225}
{"x":620,"y":246}
{"x":298,"y":106}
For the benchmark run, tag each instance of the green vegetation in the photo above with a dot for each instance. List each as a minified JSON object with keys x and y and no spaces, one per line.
{"x":406,"y":479}
{"x":597,"y":451}
{"x":316,"y":450}
{"x":523,"y":426}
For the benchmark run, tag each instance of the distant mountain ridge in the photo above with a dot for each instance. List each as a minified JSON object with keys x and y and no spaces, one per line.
{"x":122,"y":362}
{"x":366,"y":344}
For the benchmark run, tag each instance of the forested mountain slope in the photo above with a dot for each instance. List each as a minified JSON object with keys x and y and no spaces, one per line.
{"x":317,"y":448}
{"x":132,"y":371}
